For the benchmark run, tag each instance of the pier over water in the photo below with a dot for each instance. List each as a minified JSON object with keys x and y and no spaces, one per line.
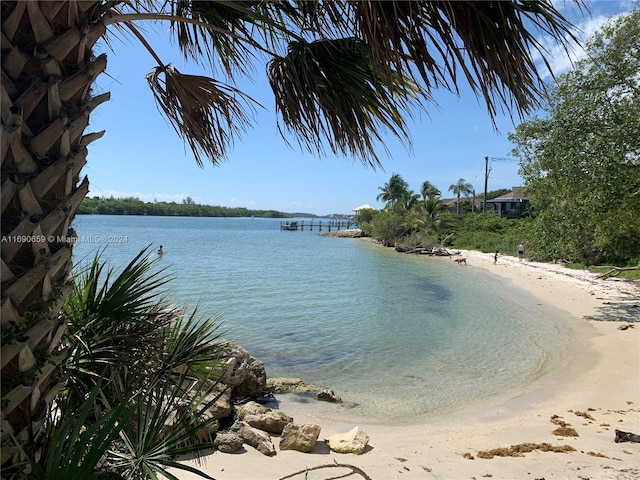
{"x":327,"y":225}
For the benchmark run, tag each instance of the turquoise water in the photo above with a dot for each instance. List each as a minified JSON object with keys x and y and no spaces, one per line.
{"x":394,"y":335}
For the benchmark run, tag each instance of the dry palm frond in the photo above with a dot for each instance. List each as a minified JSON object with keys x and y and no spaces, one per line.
{"x":205,"y":113}
{"x":330,"y":89}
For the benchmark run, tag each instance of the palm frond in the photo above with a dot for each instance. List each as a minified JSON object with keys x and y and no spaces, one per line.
{"x":116,"y":321}
{"x":247,"y":23}
{"x":206,"y":114}
{"x":198,"y":42}
{"x":192,"y":346}
{"x":78,"y":441}
{"x":167,"y":419}
{"x":330,"y":89}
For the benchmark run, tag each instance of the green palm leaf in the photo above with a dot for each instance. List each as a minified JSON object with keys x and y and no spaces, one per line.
{"x":78,"y":441}
{"x":169,"y":415}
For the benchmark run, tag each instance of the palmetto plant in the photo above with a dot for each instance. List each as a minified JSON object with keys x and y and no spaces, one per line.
{"x":142,"y":378}
{"x":343,"y":73}
{"x":122,"y":328}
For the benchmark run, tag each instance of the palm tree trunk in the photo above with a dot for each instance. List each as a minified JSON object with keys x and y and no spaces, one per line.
{"x":47,"y":71}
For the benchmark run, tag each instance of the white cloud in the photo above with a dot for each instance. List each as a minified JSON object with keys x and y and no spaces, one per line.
{"x":561,"y":60}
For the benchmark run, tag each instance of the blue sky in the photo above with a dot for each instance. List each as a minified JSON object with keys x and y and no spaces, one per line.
{"x":140,"y":155}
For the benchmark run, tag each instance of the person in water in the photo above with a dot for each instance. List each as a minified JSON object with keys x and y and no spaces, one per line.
{"x":160,"y":251}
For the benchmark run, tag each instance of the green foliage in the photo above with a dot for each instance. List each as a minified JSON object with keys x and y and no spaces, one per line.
{"x":488,"y":232}
{"x":188,"y":208}
{"x":144,"y":357}
{"x":582,"y":163}
{"x":78,"y":441}
{"x":365,"y":215}
{"x":388,"y":226}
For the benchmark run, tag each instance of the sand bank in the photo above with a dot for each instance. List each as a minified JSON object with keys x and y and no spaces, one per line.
{"x":593,"y":393}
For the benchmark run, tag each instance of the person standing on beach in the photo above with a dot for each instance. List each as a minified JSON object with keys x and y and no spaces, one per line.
{"x":521,"y":251}
{"x":495,"y":257}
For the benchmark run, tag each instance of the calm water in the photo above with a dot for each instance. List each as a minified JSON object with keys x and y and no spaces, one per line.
{"x":394,"y":335}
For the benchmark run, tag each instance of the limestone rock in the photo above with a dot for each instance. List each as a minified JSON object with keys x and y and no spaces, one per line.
{"x":302,"y":438}
{"x":261,"y":441}
{"x":349,"y":233}
{"x":251,"y":408}
{"x":354,"y":441}
{"x":271,"y":421}
{"x":242,"y":373}
{"x":228,"y":442}
{"x":329,"y":396}
{"x":222,"y":406}
{"x":286,"y":384}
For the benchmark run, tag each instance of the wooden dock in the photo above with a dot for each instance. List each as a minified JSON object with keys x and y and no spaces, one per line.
{"x":327,"y":225}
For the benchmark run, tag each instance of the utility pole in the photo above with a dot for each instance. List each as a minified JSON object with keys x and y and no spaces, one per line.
{"x":486,"y":181}
{"x":486,"y":175}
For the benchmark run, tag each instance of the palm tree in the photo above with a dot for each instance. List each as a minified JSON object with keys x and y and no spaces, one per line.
{"x":461,"y":187}
{"x":393,"y":191}
{"x":409,"y":200}
{"x":429,"y":190}
{"x":342,"y":73}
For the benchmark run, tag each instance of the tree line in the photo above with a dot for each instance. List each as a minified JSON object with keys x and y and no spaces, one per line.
{"x":188,"y":208}
{"x":415,"y":220}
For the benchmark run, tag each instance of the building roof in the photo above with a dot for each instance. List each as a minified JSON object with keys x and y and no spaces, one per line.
{"x":515,"y":195}
{"x":366,"y":206}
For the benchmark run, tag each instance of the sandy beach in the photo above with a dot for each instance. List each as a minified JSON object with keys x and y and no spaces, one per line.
{"x":591,"y":394}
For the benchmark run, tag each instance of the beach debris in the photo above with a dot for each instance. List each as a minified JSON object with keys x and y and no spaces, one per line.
{"x":626,"y":327}
{"x":350,"y":471}
{"x":522,"y":448}
{"x":597,"y":454}
{"x":564,"y":429}
{"x":626,"y":437}
{"x":354,"y":441}
{"x":468,"y":456}
{"x":302,"y":438}
{"x":557,"y":420}
{"x":329,"y":396}
{"x":565,"y":432}
{"x":584,"y":415}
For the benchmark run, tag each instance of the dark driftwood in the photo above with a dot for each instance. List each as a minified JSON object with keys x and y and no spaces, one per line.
{"x":626,"y":437}
{"x":615,"y":271}
{"x":354,"y":471}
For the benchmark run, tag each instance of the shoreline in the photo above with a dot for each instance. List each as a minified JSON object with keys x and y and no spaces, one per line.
{"x":596,"y":391}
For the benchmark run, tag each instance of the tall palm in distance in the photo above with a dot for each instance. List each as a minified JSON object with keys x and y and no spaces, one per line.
{"x":429,"y":190}
{"x":393,"y":191}
{"x":461,"y":187}
{"x":342,"y":73}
